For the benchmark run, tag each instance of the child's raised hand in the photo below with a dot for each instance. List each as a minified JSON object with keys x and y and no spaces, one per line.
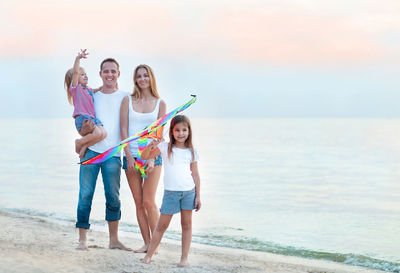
{"x":83,"y":54}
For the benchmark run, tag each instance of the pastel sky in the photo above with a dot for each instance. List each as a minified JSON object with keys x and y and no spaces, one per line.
{"x":252,"y":58}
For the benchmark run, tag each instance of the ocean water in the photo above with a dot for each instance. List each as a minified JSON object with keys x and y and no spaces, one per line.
{"x":315,"y":188}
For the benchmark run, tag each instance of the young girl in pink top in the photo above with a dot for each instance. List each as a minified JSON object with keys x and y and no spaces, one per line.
{"x":81,"y":96}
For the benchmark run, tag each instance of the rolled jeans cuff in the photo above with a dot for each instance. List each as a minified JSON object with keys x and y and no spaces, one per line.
{"x":113,"y":214}
{"x":82,"y":225}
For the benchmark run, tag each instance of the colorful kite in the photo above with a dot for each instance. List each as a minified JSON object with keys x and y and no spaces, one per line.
{"x":148,"y":132}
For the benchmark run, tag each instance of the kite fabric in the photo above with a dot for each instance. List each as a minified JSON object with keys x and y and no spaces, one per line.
{"x":148,"y":132}
{"x":140,"y":164}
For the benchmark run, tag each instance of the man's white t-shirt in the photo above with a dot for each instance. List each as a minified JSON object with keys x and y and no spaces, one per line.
{"x":107,"y":108}
{"x":177,"y":173}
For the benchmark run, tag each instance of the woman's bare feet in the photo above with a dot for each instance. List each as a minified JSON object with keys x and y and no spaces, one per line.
{"x":82,"y":246}
{"x":118,"y":245}
{"x":183,"y":263}
{"x":143,"y":249}
{"x":145,"y":260}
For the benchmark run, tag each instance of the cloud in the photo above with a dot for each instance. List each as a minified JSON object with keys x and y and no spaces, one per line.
{"x":286,"y":38}
{"x":266,"y":32}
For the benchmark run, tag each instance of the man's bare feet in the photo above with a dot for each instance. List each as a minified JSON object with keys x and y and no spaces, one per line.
{"x":78,"y":146}
{"x":82,"y":246}
{"x":119,"y":245}
{"x":183,"y":263}
{"x":143,"y":249}
{"x":145,"y":260}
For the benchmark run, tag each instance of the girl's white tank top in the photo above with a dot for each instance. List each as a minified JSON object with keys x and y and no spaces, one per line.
{"x":139,"y":121}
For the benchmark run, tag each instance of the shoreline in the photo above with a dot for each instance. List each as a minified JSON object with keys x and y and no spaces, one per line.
{"x":32,"y":244}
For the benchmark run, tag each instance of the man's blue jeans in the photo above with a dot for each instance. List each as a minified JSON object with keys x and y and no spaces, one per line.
{"x":111,"y":172}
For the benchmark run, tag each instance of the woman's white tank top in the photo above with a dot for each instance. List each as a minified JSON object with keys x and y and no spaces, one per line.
{"x":138,"y":121}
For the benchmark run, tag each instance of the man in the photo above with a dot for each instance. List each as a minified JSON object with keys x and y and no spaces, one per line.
{"x":107,"y":103}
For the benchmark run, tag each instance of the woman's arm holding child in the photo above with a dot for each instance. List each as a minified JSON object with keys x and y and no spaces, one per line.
{"x":196,"y":178}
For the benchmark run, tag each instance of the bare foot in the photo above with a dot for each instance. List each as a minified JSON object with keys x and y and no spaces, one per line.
{"x":78,"y":146}
{"x":82,"y":246}
{"x":143,"y":249}
{"x":119,"y":245}
{"x":183,"y":263}
{"x":82,"y":151}
{"x":145,"y":260}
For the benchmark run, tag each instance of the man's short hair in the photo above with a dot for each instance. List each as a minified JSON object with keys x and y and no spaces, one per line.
{"x":111,"y":60}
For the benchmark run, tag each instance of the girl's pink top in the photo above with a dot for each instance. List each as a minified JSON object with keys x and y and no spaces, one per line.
{"x":83,"y":100}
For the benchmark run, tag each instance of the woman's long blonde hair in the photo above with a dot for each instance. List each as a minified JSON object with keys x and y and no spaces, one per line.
{"x":153,"y":85}
{"x":188,"y":142}
{"x":67,"y":84}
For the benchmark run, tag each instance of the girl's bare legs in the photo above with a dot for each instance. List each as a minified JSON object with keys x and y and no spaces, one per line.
{"x":135,"y":184}
{"x":98,"y":134}
{"x":186,"y":223}
{"x":162,"y":226}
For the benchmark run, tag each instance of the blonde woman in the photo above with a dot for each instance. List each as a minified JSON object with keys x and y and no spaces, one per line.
{"x":138,"y":110}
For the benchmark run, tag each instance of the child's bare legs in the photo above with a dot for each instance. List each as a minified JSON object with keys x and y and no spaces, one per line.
{"x":162,"y":226}
{"x":186,"y":223}
{"x":97,"y":135}
{"x":82,"y":239}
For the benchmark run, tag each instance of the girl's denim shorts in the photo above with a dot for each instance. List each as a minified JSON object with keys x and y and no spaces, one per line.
{"x":175,"y":201}
{"x":81,"y":118}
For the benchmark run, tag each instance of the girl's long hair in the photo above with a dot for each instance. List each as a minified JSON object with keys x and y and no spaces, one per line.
{"x":153,"y":85}
{"x":188,"y":142}
{"x":67,"y":84}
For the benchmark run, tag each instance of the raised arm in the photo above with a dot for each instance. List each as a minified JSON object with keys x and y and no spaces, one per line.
{"x":75,"y":75}
{"x":196,"y":178}
{"x":124,"y":126}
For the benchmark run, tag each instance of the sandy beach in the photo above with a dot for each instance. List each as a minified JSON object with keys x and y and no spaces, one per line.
{"x":32,"y":244}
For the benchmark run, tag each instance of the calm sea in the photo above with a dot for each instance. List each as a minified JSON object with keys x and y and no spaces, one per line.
{"x":316,"y":188}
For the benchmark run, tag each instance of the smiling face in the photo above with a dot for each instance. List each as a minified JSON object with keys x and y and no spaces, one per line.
{"x":143,"y":79}
{"x":109,"y":74}
{"x":82,"y":79}
{"x":180,"y":133}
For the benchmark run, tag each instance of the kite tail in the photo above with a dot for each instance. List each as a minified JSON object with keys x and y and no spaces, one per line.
{"x":140,"y":164}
